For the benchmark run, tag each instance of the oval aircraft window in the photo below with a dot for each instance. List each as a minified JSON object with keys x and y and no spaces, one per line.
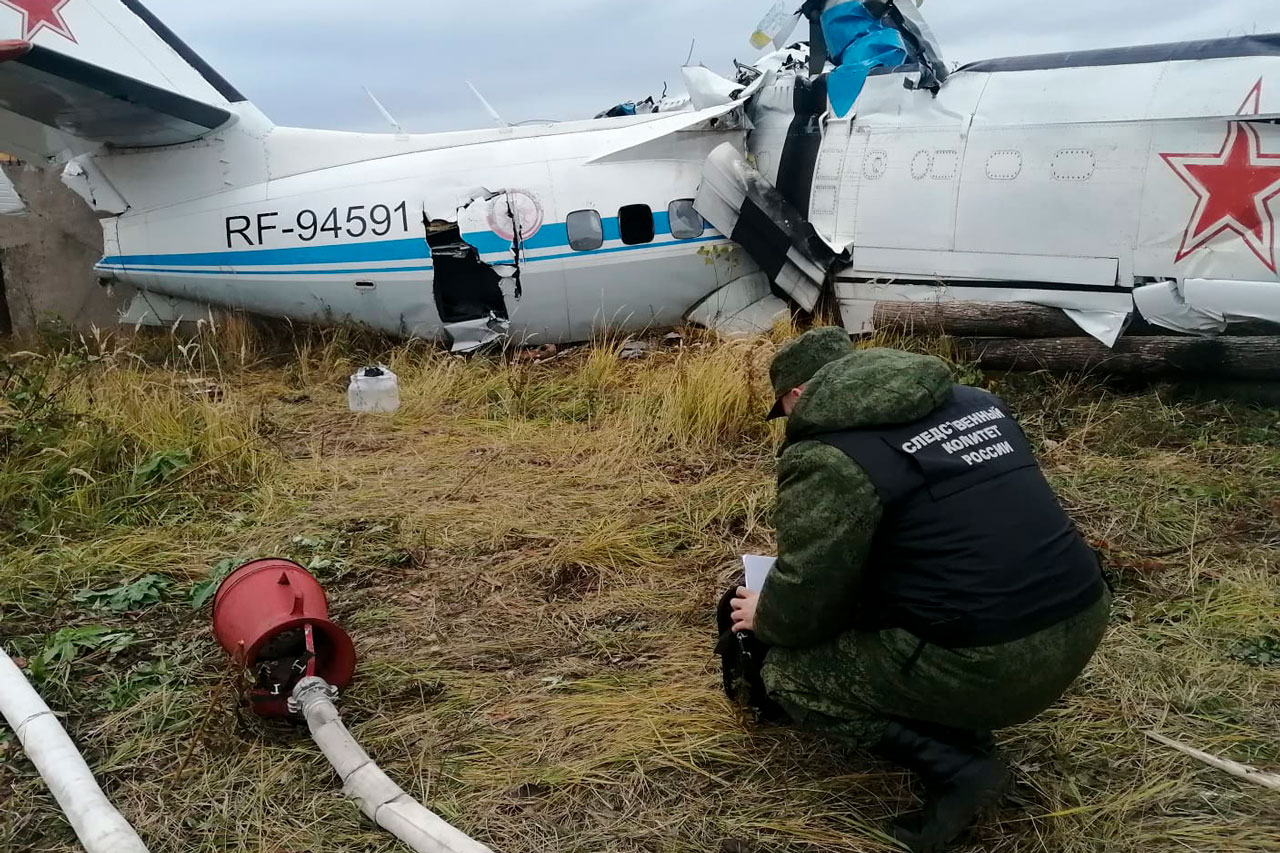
{"x":686,"y":223}
{"x":586,"y":231}
{"x":635,"y":224}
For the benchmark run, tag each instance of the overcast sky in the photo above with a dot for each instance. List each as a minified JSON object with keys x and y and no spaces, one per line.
{"x":304,"y":61}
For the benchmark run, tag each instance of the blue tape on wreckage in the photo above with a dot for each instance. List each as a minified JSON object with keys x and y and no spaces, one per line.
{"x":857,"y":43}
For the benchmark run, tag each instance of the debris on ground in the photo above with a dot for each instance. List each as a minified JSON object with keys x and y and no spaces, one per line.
{"x":205,"y":388}
{"x":536,"y":355}
{"x":632,"y":350}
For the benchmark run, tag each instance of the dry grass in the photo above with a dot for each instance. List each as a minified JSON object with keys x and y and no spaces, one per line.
{"x":527,"y":555}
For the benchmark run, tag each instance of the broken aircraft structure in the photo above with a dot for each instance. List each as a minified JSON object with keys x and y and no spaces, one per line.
{"x":1106,"y":183}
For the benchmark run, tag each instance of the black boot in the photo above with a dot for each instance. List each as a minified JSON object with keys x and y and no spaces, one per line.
{"x":982,"y":741}
{"x":960,"y":781}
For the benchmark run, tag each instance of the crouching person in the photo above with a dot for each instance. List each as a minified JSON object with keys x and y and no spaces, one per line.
{"x":929,"y":587}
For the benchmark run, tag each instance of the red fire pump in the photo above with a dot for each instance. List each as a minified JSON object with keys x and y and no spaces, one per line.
{"x":271,"y":616}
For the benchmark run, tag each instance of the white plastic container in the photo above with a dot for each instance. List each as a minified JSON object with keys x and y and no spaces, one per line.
{"x":374,"y":389}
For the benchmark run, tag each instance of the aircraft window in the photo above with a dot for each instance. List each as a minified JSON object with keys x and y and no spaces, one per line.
{"x":586,"y":231}
{"x":686,"y":223}
{"x":635,"y":223}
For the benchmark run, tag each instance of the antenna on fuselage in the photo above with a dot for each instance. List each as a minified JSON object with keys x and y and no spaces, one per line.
{"x":488,"y":107}
{"x":391,"y":120}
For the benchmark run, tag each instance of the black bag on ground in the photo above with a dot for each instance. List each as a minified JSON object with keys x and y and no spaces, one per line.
{"x":741,"y":657}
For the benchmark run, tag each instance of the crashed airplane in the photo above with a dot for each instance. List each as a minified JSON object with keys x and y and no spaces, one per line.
{"x":1108,"y":184}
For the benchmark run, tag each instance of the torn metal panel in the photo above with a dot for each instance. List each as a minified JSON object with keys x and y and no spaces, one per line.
{"x":1105,"y":326}
{"x":1163,"y":304}
{"x":11,"y":203}
{"x":801,"y":278}
{"x":473,"y":218}
{"x":793,"y":58}
{"x":736,"y":198}
{"x":153,"y":309}
{"x":672,"y":135}
{"x":1235,"y":300}
{"x":788,"y":132}
{"x":479,"y":216}
{"x":757,"y":318}
{"x":83,"y":177}
{"x":746,"y":306}
{"x":478,"y":264}
{"x":471,"y":335}
{"x":693,"y":144}
{"x":708,"y":89}
{"x":514,"y":216}
{"x":922,"y":44}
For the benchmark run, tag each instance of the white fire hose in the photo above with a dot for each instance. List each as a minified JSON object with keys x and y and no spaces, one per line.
{"x":381,"y":800}
{"x":97,"y":824}
{"x":101,"y":829}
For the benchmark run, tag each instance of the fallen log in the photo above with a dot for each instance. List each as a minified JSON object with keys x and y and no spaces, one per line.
{"x":974,"y":319}
{"x":1012,"y":320}
{"x":1221,"y":358}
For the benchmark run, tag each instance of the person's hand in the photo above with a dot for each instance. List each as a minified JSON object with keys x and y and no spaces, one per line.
{"x":744,"y":609}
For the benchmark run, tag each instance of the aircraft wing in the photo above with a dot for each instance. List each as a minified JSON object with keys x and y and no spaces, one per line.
{"x":92,"y":103}
{"x":671,"y":133}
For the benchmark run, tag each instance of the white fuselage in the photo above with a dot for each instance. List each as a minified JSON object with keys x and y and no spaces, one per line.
{"x":333,"y":227}
{"x":1068,"y":186}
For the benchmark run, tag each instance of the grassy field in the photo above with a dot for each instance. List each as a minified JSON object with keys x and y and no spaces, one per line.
{"x":527,"y":556}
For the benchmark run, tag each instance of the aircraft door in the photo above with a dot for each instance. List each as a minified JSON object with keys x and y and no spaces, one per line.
{"x":833,"y":203}
{"x":851,"y":185}
{"x":831,"y":174}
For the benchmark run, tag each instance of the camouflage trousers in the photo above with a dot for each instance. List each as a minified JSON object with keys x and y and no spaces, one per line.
{"x":852,"y":686}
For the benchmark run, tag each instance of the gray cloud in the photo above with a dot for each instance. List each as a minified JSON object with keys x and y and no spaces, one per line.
{"x":304,"y":61}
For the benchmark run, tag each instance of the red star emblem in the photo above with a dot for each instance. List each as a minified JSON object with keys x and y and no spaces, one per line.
{"x":1233,"y":189}
{"x":39,"y":15}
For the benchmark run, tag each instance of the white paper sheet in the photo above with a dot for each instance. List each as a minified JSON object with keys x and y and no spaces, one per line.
{"x":757,"y":569}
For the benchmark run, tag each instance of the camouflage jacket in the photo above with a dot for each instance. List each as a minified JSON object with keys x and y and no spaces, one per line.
{"x":827,"y":509}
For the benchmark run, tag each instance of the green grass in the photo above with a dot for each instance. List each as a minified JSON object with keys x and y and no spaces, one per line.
{"x":527,"y":556}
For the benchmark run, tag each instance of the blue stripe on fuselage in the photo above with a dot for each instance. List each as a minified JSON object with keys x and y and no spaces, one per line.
{"x":412,"y":249}
{"x":551,"y":236}
{"x":103,"y":265}
{"x":264,"y":272}
{"x":555,"y":235}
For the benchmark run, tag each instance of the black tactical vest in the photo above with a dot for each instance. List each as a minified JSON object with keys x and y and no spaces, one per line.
{"x":974,"y":548}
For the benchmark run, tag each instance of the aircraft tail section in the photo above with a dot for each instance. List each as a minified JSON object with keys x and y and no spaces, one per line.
{"x":80,"y":75}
